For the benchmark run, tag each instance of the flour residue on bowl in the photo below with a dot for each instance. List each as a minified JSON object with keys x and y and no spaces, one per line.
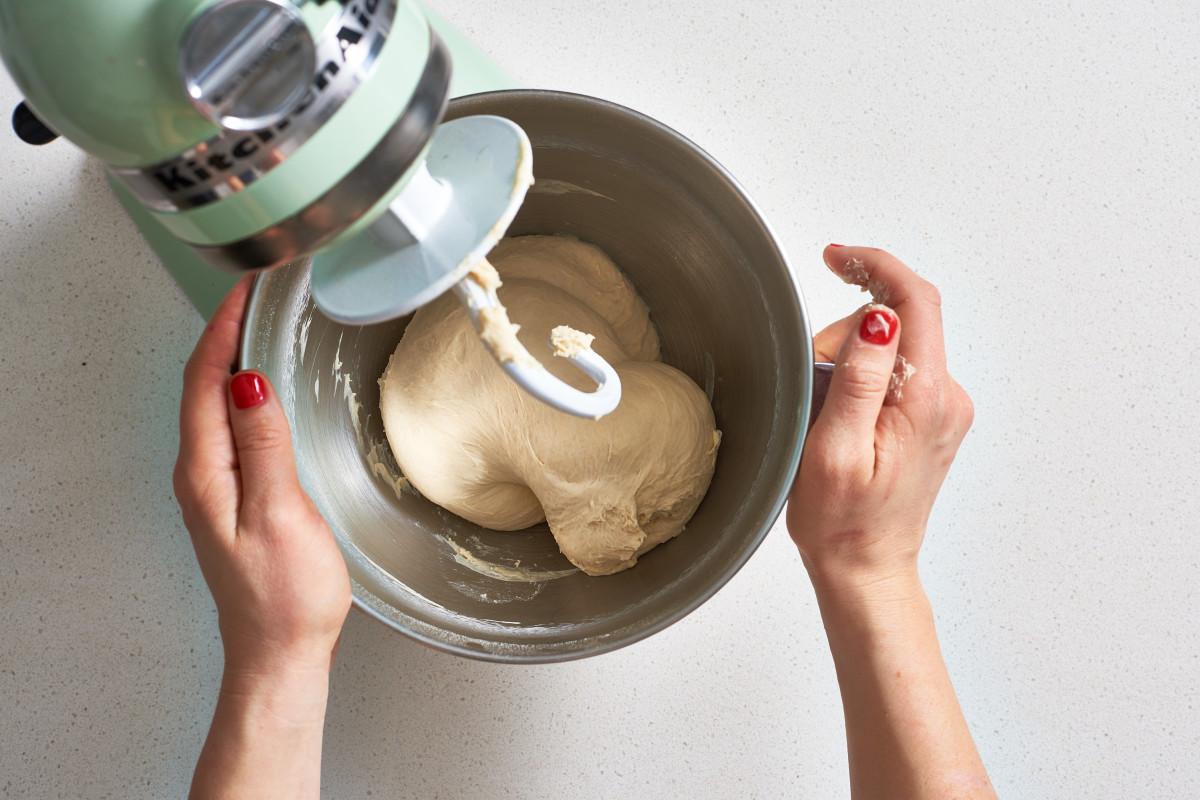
{"x":304,"y":334}
{"x":549,"y":186}
{"x":337,"y":356}
{"x":380,"y":462}
{"x":348,"y":394}
{"x":353,"y":405}
{"x":513,"y":573}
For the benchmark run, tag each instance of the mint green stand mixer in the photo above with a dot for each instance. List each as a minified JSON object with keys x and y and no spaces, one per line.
{"x":253,"y":133}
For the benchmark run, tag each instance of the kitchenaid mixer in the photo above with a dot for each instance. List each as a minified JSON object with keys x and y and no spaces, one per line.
{"x":259,"y":132}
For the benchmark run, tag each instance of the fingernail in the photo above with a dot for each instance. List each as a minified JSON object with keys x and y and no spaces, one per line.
{"x":248,"y":389}
{"x":831,"y":244}
{"x":878,"y":326}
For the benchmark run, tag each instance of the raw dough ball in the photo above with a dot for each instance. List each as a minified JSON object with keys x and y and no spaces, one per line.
{"x":472,"y":441}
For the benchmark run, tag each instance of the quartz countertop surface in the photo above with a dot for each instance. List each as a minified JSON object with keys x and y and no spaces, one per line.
{"x":1037,"y":162}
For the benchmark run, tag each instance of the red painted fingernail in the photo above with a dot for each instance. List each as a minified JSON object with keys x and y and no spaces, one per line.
{"x":248,"y":389}
{"x":831,"y":244}
{"x":878,"y":326}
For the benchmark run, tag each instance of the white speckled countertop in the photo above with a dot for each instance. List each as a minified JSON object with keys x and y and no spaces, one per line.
{"x":1038,"y":164}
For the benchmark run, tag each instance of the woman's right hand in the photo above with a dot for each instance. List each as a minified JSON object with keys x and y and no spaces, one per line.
{"x":270,"y":561}
{"x":274,"y":569}
{"x":891,"y":424}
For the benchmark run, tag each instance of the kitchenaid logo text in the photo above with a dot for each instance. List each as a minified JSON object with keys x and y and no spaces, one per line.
{"x":224,"y":156}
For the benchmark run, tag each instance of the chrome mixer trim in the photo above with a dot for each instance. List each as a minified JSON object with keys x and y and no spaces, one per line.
{"x":358,"y":191}
{"x":346,"y":55}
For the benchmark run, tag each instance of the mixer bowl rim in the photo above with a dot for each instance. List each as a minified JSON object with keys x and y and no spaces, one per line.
{"x":543,"y":653}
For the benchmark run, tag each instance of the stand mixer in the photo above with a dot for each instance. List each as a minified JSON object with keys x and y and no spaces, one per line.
{"x":259,"y":132}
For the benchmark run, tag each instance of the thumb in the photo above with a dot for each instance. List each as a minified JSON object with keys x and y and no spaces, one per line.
{"x":828,"y":340}
{"x":860,"y":380}
{"x":262,"y":439}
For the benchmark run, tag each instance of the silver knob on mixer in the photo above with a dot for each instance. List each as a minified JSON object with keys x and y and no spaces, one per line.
{"x":247,"y":63}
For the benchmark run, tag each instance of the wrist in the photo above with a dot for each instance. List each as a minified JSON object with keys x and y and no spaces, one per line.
{"x":870,"y":562}
{"x":288,"y":691}
{"x":252,"y":651}
{"x":867,"y":598}
{"x":265,"y":739}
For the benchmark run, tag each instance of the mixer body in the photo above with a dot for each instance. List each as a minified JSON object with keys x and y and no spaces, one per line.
{"x":255,"y":131}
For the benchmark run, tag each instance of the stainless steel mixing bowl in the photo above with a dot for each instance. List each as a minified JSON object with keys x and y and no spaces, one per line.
{"x":729,"y":315}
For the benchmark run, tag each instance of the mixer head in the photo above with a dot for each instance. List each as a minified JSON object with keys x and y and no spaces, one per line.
{"x":259,"y":132}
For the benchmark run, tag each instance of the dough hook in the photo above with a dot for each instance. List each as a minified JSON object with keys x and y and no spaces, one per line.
{"x":530,"y":374}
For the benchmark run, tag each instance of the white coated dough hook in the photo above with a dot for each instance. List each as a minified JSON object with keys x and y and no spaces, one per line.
{"x":499,"y":336}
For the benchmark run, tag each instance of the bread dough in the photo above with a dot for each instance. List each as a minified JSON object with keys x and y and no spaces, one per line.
{"x":472,"y":441}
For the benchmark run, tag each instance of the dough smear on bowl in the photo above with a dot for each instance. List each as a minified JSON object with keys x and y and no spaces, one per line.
{"x":472,"y":441}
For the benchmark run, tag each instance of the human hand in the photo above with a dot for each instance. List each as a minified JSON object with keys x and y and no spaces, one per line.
{"x":270,"y":560}
{"x":880,"y":448}
{"x":872,"y":465}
